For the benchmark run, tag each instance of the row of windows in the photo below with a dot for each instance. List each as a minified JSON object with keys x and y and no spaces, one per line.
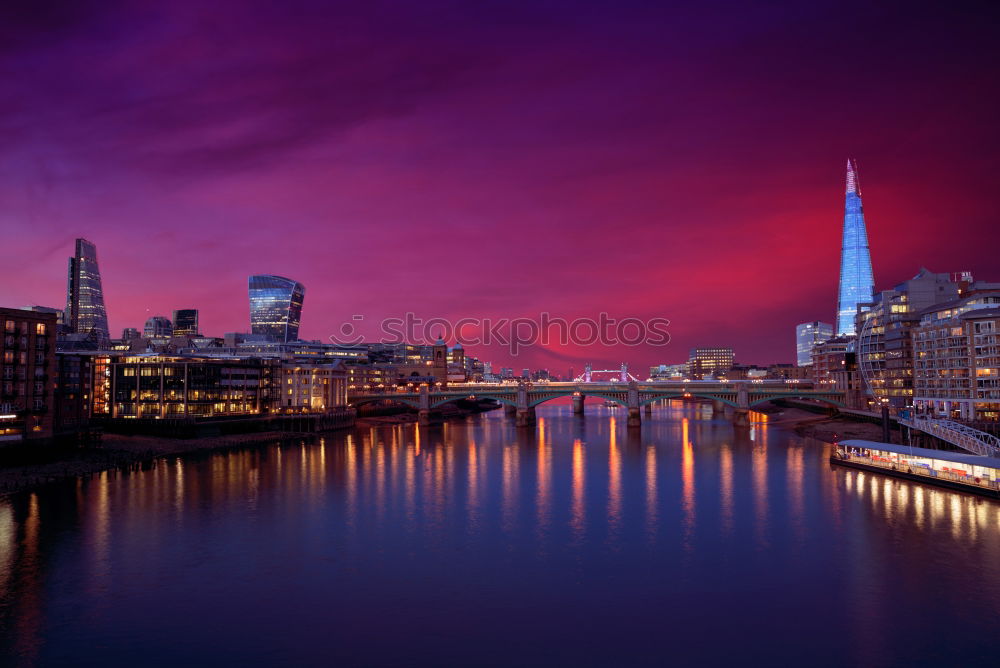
{"x":21,"y":373}
{"x":10,"y":357}
{"x":12,"y":327}
{"x":149,"y":371}
{"x":20,"y":388}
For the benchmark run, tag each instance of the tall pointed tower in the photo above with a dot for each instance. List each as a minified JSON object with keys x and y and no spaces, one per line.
{"x":856,"y":283}
{"x":85,"y":312}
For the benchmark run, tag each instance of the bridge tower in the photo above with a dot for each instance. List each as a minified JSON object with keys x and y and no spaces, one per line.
{"x":624,"y":374}
{"x":587,"y":372}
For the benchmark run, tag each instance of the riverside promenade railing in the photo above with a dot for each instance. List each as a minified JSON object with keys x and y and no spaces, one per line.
{"x":956,"y":433}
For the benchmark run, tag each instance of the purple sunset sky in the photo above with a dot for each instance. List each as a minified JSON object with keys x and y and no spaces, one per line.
{"x":496,"y":159}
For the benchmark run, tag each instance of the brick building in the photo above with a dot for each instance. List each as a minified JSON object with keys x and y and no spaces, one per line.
{"x":27,"y":374}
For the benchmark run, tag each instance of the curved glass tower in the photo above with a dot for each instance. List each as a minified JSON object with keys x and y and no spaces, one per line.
{"x":85,"y":313}
{"x":856,"y":283}
{"x":276,"y":306}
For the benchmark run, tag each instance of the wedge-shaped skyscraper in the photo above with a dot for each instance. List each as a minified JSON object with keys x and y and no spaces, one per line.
{"x":856,"y":283}
{"x":276,"y":306}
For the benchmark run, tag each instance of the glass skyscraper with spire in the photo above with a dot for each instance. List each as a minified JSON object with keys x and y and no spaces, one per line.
{"x":856,"y":283}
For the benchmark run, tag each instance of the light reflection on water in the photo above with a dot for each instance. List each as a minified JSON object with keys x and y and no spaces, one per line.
{"x":477,"y":543}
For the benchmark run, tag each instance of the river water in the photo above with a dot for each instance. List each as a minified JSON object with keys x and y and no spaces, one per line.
{"x":578,"y":542}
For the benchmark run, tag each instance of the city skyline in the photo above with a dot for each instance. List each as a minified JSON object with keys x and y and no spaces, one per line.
{"x":596,"y":337}
{"x":501,"y":183}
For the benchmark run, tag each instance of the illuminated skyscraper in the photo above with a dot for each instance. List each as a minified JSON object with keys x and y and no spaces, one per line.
{"x":158,"y":325}
{"x":856,"y":283}
{"x":85,"y":311}
{"x":808,"y":335}
{"x":276,"y":306}
{"x":186,"y":322}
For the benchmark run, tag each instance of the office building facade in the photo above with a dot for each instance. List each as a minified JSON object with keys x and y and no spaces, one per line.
{"x":165,"y":386}
{"x":313,"y":388}
{"x":157,"y":326}
{"x":276,"y":306}
{"x":706,"y":363}
{"x":808,"y":335}
{"x":186,"y":322}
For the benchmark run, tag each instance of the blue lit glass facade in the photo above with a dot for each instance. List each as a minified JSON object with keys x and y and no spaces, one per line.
{"x":856,"y":282}
{"x":808,"y":335}
{"x":276,"y":306}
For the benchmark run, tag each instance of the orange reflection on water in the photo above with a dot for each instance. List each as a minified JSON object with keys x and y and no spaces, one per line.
{"x":544,"y":475}
{"x":380,"y":480}
{"x":687,"y":480}
{"x":965,"y":517}
{"x":179,"y":487}
{"x":795,"y":472}
{"x":472,"y":469}
{"x":614,"y":479}
{"x":651,"y":500}
{"x":101,"y":541}
{"x":351,"y":480}
{"x":760,"y":501}
{"x":439,"y":484}
{"x":726,"y":486}
{"x":578,"y":510}
{"x":410,"y":477}
{"x":509,"y":476}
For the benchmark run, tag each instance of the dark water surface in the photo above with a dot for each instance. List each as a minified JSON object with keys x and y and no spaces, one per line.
{"x":473,"y":543}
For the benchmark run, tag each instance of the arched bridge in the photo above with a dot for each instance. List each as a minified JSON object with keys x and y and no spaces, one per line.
{"x":741,"y":396}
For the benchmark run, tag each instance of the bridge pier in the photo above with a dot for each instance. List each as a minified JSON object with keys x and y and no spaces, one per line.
{"x":718,"y":408}
{"x":424,"y":411}
{"x":648,"y":410}
{"x":634,"y":413}
{"x":509,"y":410}
{"x":741,"y":414}
{"x":525,"y":416}
{"x":578,"y":404}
